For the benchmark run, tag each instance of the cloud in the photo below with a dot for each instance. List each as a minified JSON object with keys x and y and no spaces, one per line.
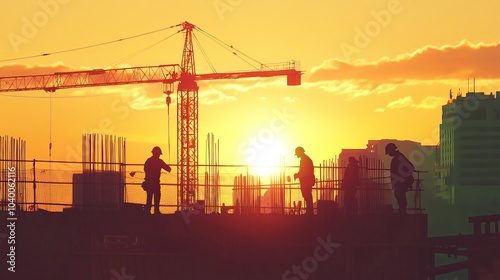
{"x":245,"y":84}
{"x":429,"y":63}
{"x":400,"y":103}
{"x":353,"y":88}
{"x":430,"y":102}
{"x":289,"y":99}
{"x":144,"y":102}
{"x":26,"y":70}
{"x":213,"y":96}
{"x":138,"y":97}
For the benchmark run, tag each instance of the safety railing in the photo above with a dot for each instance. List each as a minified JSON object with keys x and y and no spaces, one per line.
{"x":88,"y":186}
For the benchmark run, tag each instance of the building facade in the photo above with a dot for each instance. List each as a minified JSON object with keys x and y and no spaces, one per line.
{"x":468,"y":172}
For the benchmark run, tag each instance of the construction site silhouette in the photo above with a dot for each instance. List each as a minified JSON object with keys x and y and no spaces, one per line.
{"x":393,"y":210}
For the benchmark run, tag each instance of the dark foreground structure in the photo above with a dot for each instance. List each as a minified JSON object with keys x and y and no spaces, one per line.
{"x":191,"y":245}
{"x":478,"y":252}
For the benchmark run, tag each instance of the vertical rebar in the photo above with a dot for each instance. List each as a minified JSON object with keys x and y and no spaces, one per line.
{"x":34,"y":185}
{"x":212,"y":179}
{"x":103,"y":160}
{"x":13,"y":155}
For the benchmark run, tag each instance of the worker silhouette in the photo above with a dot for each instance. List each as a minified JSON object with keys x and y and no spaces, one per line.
{"x":401,"y":175}
{"x":306,"y":178}
{"x":152,"y":168}
{"x":350,"y":184}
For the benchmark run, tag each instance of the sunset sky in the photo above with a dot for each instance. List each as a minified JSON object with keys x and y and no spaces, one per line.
{"x":372,"y":70}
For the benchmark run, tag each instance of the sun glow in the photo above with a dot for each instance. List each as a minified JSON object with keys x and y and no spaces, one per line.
{"x":269,"y":160}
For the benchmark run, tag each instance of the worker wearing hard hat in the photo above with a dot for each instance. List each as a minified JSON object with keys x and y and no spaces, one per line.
{"x":350,"y":183}
{"x":401,"y":175}
{"x":152,"y":168}
{"x":306,"y":178}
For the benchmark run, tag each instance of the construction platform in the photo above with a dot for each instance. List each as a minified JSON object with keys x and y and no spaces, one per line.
{"x":191,"y":245}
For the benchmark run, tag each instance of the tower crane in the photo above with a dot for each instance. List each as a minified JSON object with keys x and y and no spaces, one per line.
{"x":187,"y":100}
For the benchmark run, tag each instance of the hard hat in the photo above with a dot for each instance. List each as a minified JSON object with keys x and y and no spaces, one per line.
{"x":299,"y":150}
{"x":390,"y":147}
{"x":156,"y":150}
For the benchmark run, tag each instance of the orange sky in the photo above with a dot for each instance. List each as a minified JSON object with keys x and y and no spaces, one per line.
{"x":374,"y":69}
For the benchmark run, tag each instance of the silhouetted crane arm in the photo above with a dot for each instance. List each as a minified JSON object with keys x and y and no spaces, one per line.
{"x":284,"y":69}
{"x":97,"y":77}
{"x":292,"y":75}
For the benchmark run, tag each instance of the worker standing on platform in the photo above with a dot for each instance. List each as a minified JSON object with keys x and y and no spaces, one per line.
{"x":152,"y":168}
{"x":350,"y":183}
{"x":306,"y":178}
{"x":401,"y":175}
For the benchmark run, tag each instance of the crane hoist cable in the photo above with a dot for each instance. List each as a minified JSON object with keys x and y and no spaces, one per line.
{"x":168,"y":89}
{"x":89,"y":46}
{"x":231,"y":49}
{"x":51,"y":104}
{"x":51,"y":107}
{"x":210,"y":64}
{"x":140,"y":51}
{"x":168,"y":129}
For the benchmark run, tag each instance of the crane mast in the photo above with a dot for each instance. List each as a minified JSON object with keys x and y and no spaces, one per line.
{"x":187,"y":125}
{"x":187,"y":101}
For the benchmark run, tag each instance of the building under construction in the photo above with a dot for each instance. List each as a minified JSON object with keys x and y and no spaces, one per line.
{"x":103,"y":233}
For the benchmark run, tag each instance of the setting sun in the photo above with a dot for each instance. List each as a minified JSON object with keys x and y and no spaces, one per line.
{"x":269,"y":159}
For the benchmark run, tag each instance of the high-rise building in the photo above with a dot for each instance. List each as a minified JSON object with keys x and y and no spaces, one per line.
{"x":468,"y":172}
